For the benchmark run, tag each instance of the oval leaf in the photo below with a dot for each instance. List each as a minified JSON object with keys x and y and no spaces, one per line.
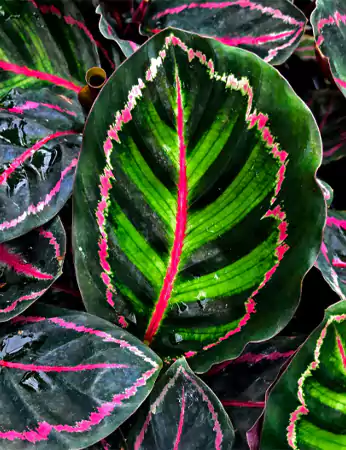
{"x":41,"y":73}
{"x":329,"y":24}
{"x":183,"y":413}
{"x":332,"y":258}
{"x":180,"y":198}
{"x":306,"y":409}
{"x":74,"y":378}
{"x":271,"y":29}
{"x":28,"y":266}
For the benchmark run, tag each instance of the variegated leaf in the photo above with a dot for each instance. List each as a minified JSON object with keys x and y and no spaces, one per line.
{"x":271,"y":29}
{"x":195,"y":197}
{"x":332,"y":258}
{"x":306,"y":48}
{"x":329,"y":25}
{"x":28,"y":266}
{"x":241,"y":384}
{"x":306,"y":409}
{"x":42,"y":69}
{"x":182,"y":413}
{"x":68,"y":379}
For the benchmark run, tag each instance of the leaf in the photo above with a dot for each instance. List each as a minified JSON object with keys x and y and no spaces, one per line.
{"x":271,"y":29}
{"x":241,"y":384}
{"x":108,"y":28}
{"x":328,"y":192}
{"x":329,"y":24}
{"x":180,"y":222}
{"x":41,"y":72}
{"x":305,"y":410}
{"x":73,"y":377}
{"x":182,"y":413}
{"x":328,"y":107}
{"x":28,"y":266}
{"x":306,"y":48}
{"x":331,"y":260}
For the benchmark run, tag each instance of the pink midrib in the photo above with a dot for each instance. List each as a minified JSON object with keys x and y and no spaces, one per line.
{"x":30,"y":152}
{"x":181,"y":420}
{"x":19,"y":266}
{"x":180,"y":227}
{"x":77,"y":368}
{"x":26,"y":71}
{"x":341,"y":350}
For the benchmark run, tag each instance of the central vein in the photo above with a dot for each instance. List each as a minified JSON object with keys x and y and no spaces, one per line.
{"x":180,"y":227}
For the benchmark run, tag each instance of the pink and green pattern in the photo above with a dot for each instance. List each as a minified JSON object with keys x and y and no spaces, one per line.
{"x":306,"y":408}
{"x":191,"y":201}
{"x":271,"y":29}
{"x":331,"y":260}
{"x":329,"y":25}
{"x":28,"y":267}
{"x":41,"y":73}
{"x":69,"y":379}
{"x":182,"y":413}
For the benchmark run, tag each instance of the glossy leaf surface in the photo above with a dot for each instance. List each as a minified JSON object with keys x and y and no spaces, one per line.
{"x":332,"y":258}
{"x":241,"y":384}
{"x":28,"y":266}
{"x":329,"y":109}
{"x":187,"y":203}
{"x":271,"y":29}
{"x":183,"y":413}
{"x":41,"y":72}
{"x":68,"y":379}
{"x":306,"y":409}
{"x":329,"y":25}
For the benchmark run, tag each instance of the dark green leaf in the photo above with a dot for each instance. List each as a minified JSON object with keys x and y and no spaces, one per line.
{"x":183,"y":413}
{"x":329,"y":24}
{"x":329,"y":108}
{"x":28,"y":266}
{"x":45,"y":51}
{"x":270,"y":28}
{"x":332,"y":258}
{"x":68,"y":379}
{"x":306,"y":409}
{"x":241,"y":384}
{"x":197,"y":211}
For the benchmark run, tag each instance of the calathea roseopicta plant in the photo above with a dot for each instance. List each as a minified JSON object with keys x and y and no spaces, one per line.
{"x":196,"y":215}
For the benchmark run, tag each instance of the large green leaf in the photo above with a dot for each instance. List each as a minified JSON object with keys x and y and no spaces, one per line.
{"x":329,"y":25}
{"x":196,"y":209}
{"x":306,"y":409}
{"x":332,"y":258}
{"x":68,"y":379}
{"x":28,"y":266}
{"x":270,"y":28}
{"x":182,"y":413}
{"x":45,"y":50}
